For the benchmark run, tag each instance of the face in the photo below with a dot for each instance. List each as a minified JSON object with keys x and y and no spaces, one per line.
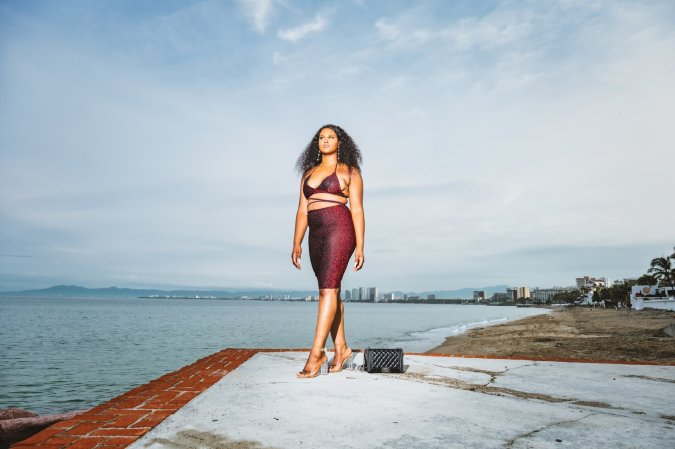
{"x":328,"y":141}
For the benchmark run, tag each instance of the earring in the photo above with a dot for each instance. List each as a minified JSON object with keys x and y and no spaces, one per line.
{"x":318,"y":156}
{"x":338,"y":153}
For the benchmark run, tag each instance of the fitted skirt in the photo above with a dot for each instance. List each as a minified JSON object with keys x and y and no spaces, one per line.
{"x":332,"y":241}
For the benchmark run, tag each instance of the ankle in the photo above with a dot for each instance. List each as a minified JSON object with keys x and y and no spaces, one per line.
{"x":340,"y":347}
{"x":316,"y":351}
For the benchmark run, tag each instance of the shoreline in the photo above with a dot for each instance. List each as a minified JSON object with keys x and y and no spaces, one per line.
{"x":463,"y":329}
{"x":575,"y":333}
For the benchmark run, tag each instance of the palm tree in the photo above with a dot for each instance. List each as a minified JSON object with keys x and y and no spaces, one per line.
{"x":646,"y":279}
{"x":597,"y":292}
{"x":662,"y":269}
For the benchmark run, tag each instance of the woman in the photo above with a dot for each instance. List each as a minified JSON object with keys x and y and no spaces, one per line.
{"x":331,"y":175}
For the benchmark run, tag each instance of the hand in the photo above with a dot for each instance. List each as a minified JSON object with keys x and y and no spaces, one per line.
{"x":358,"y":260}
{"x":296,"y":255}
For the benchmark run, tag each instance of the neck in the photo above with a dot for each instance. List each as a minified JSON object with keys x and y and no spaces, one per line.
{"x":328,"y":160}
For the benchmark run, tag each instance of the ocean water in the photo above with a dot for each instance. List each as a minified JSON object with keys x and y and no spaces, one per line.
{"x":63,"y":354}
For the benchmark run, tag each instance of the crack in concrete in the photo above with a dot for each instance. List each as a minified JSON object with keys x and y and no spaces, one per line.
{"x":464,"y":368}
{"x":655,"y":379}
{"x":511,"y":442}
{"x":547,"y":398}
{"x":493,"y":374}
{"x":487,"y":388}
{"x":501,"y":391}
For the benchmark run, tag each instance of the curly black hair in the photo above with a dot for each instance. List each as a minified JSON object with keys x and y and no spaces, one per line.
{"x":349,"y":152}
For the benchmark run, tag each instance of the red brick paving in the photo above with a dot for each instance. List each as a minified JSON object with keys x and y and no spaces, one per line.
{"x":122,"y":420}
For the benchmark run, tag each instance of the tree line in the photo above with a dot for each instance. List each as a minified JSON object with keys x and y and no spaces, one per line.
{"x":660,"y":273}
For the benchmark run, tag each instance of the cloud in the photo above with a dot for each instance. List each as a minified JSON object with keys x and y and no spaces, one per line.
{"x":500,"y":27}
{"x":259,"y":12}
{"x":279,"y":58}
{"x":159,"y":148}
{"x":387,"y":30}
{"x":352,"y":70}
{"x":297,"y":33}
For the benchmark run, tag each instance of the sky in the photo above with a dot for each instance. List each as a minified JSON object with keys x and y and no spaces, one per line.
{"x":153,"y":143}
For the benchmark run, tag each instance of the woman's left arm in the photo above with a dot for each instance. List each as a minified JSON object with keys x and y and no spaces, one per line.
{"x":356,"y":207}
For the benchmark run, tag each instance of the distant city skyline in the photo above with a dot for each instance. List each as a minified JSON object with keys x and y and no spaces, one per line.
{"x":153,"y":144}
{"x":499,"y":294}
{"x":353,"y":294}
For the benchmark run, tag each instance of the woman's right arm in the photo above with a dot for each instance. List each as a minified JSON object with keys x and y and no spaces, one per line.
{"x":300,"y":227}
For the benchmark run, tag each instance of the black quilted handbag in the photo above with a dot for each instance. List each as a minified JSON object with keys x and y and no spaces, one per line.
{"x":383,"y":360}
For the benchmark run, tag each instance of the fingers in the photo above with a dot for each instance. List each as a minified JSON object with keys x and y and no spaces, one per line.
{"x":295,"y":259}
{"x":358,"y":262}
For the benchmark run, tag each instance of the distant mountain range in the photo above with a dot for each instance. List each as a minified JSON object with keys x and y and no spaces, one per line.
{"x":116,"y":292}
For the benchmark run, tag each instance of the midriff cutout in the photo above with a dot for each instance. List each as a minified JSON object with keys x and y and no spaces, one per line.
{"x":316,"y":202}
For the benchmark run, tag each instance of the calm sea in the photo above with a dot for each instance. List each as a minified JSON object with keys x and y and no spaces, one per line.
{"x":63,"y":354}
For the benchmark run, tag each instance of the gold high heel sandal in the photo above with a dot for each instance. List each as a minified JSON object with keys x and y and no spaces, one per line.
{"x":334,"y":368}
{"x":323,"y":368}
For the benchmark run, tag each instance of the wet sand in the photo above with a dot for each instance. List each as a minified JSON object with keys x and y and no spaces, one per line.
{"x":574,"y":333}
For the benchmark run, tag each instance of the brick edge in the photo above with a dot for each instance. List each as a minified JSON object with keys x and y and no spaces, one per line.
{"x":125,"y":418}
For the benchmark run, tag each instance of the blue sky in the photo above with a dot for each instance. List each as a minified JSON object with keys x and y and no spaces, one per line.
{"x":153,"y":143}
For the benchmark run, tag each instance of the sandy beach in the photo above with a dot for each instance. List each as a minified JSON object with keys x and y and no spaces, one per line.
{"x":575,"y":333}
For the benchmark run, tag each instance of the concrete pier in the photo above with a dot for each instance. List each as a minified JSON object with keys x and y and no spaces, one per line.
{"x":247,"y":398}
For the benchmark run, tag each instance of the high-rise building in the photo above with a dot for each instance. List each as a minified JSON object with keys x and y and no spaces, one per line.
{"x":363,"y":294}
{"x":582,"y":281}
{"x":347,"y":295}
{"x":479,"y":295}
{"x":500,"y":297}
{"x":524,"y":292}
{"x":389,"y":296}
{"x":372,"y":293}
{"x":546,"y":294}
{"x":591,"y":282}
{"x":512,"y":294}
{"x":432,"y":296}
{"x":355,"y":295}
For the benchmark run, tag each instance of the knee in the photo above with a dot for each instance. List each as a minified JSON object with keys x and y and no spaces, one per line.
{"x":329,"y":293}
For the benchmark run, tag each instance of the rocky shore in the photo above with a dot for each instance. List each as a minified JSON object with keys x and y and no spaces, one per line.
{"x":17,"y":424}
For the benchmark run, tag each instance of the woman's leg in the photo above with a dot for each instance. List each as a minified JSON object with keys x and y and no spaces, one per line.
{"x":342,"y":351}
{"x":337,"y":330}
{"x":324,"y":321}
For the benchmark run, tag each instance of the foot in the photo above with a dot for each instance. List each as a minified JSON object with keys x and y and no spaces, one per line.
{"x":313,"y":366}
{"x":340,"y":356}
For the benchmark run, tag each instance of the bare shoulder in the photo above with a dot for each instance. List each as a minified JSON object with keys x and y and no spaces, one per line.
{"x":346,"y":169}
{"x":354,"y":173}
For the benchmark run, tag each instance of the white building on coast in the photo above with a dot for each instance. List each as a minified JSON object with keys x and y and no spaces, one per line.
{"x":652,"y":297}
